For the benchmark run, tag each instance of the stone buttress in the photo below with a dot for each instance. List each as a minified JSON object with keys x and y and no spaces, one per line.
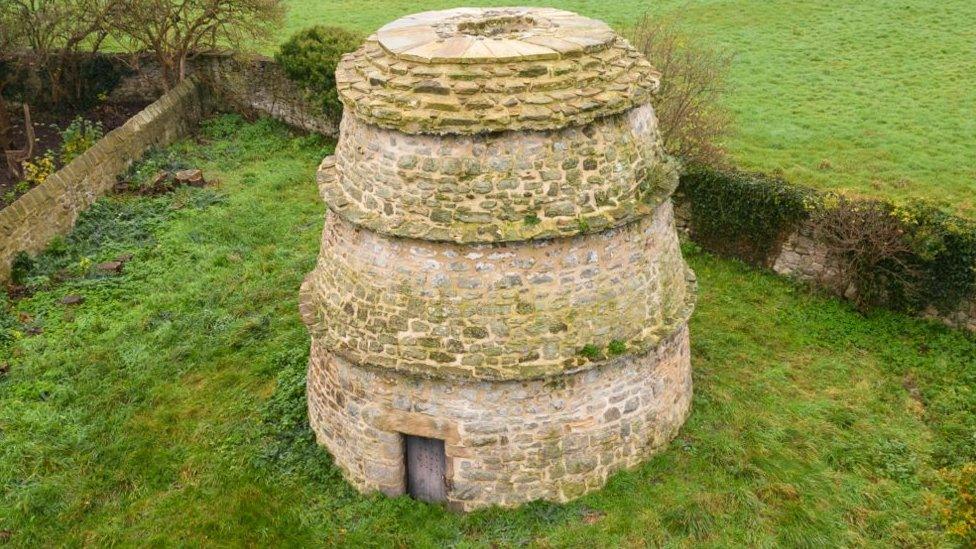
{"x":499,"y":268}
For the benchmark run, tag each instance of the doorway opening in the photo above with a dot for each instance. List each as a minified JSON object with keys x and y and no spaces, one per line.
{"x":426,"y":467}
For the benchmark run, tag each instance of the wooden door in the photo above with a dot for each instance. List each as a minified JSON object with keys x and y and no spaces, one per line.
{"x":426,"y":468}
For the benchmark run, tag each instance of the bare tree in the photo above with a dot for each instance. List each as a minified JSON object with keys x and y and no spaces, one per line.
{"x":10,"y":40}
{"x":174,"y":30}
{"x":693,"y":79}
{"x":55,"y":32}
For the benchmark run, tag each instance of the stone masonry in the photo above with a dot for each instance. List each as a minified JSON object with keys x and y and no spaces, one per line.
{"x":499,"y":267}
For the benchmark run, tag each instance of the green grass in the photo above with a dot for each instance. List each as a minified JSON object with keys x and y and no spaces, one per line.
{"x":874,"y":97}
{"x":168,"y":408}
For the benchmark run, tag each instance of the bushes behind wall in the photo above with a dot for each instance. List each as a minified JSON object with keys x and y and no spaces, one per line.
{"x":83,"y":79}
{"x":309,"y":58}
{"x":951,"y":245}
{"x":946,"y":247}
{"x":907,"y":257}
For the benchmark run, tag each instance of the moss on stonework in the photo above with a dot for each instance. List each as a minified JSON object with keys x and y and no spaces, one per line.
{"x":558,"y":327}
{"x":442,"y":357}
{"x":475,"y":332}
{"x":660,"y":181}
{"x":616,"y":347}
{"x":572,"y":490}
{"x":590,"y":351}
{"x":500,"y":221}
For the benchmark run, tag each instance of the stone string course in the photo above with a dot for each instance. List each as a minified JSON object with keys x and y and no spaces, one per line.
{"x":51,"y":208}
{"x":509,"y":442}
{"x":499,"y":266}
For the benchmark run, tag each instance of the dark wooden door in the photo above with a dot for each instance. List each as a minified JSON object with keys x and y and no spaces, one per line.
{"x":426,"y":468}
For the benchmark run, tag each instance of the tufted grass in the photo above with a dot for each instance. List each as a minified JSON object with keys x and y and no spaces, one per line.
{"x":873,"y":98}
{"x":168,"y":408}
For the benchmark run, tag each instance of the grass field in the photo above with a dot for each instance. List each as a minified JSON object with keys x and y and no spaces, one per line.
{"x":875,"y":97}
{"x":168,"y":408}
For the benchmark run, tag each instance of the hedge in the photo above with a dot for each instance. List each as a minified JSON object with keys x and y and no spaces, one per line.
{"x":309,"y":58}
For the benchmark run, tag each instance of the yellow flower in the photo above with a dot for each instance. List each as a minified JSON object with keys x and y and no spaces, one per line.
{"x":38,"y":170}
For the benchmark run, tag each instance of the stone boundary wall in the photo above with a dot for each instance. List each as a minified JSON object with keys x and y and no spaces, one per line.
{"x":256,"y":85}
{"x":51,"y":208}
{"x":802,"y":257}
{"x":251,"y":84}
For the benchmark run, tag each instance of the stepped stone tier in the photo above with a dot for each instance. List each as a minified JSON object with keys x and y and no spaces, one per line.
{"x":500,"y":276}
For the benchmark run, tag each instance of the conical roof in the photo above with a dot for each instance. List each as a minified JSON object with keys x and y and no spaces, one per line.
{"x":476,"y":70}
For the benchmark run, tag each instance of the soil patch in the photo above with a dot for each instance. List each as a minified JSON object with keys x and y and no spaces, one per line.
{"x":48,"y":126}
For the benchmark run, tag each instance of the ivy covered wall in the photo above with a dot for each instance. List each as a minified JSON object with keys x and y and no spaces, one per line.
{"x":909,"y":257}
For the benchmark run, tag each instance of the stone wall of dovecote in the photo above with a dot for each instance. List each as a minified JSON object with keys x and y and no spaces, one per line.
{"x":499,"y":266}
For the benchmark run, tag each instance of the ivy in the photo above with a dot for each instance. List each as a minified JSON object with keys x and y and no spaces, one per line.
{"x":946,"y":249}
{"x":742,"y":214}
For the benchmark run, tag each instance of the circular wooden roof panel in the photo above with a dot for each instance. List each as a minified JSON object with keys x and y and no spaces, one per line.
{"x":473,"y":35}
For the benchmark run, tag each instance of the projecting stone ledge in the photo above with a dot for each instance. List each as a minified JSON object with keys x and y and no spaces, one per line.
{"x":505,"y":186}
{"x":505,"y":443}
{"x":470,"y":220}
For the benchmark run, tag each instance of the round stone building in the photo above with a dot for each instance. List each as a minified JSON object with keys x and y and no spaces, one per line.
{"x":499,"y":310}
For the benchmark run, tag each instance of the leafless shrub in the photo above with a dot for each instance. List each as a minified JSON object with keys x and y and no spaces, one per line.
{"x":693,"y":79}
{"x":877,"y":262}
